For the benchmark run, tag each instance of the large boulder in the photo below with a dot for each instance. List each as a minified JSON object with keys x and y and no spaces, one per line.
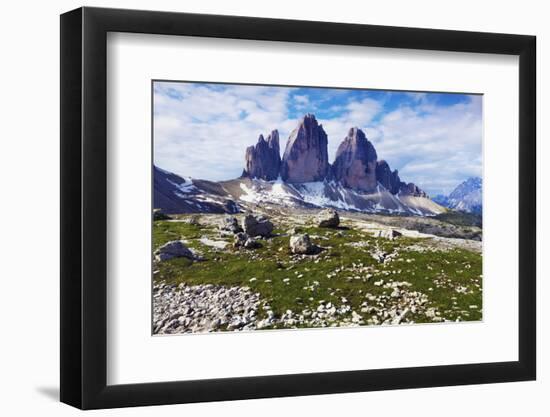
{"x":306,"y":153}
{"x":242,"y":240}
{"x":328,"y":218}
{"x":174,"y":249}
{"x":355,"y":163}
{"x":252,"y":243}
{"x":263,"y":161}
{"x":257,"y":225}
{"x":302,"y":245}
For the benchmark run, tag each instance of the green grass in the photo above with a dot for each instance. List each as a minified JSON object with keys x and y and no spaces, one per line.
{"x":437,"y":274}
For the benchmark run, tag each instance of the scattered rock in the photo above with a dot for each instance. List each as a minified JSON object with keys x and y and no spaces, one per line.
{"x":240,"y":239}
{"x":301,"y":245}
{"x":174,"y":249}
{"x":158,"y":214}
{"x":388,"y":234}
{"x":328,"y":218}
{"x":203,"y":308}
{"x":252,"y":243}
{"x":230,"y":224}
{"x":257,"y":225}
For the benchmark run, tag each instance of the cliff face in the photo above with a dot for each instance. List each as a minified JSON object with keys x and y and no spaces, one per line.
{"x":305,"y":160}
{"x":306,"y":155}
{"x":355,"y":163}
{"x":384,"y":175}
{"x":263,"y":161}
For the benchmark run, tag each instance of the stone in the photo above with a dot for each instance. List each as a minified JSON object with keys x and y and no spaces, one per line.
{"x":252,"y":243}
{"x":355,"y":163}
{"x":257,"y":225}
{"x":302,"y":245}
{"x":174,"y":249}
{"x":412,"y":190}
{"x":306,"y":154}
{"x":230,"y":224}
{"x":328,"y":218}
{"x":263,"y":161}
{"x":158,"y":214}
{"x":389,"y":180}
{"x":240,"y":239}
{"x":388,"y":234}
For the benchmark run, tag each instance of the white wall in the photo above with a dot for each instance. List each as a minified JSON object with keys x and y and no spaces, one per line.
{"x":29,"y":101}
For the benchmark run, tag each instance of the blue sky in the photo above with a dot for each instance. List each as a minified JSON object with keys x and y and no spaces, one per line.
{"x":201,"y":130}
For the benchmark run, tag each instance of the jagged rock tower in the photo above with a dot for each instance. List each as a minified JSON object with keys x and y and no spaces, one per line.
{"x":263,"y":161}
{"x":355,"y":163}
{"x":306,"y":154}
{"x":384,"y":175}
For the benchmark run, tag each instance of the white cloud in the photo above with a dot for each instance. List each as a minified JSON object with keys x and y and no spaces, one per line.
{"x":203,"y":132}
{"x":436,"y":148}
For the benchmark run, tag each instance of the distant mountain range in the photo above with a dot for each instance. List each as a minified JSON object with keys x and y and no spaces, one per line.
{"x":303,"y":177}
{"x":466,"y":197}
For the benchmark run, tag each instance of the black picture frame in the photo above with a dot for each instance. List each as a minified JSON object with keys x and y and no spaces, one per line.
{"x":84,"y":207}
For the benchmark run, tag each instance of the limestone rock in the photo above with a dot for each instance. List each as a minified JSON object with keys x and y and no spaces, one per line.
{"x":257,"y":225}
{"x":174,"y":249}
{"x":302,"y":245}
{"x":384,"y":175}
{"x":328,"y":218}
{"x":252,"y":243}
{"x":388,"y":234}
{"x":306,"y":154}
{"x":411,"y":189}
{"x":263,"y":161}
{"x":240,"y":239}
{"x":158,"y":214}
{"x":355,"y":163}
{"x":230,"y":224}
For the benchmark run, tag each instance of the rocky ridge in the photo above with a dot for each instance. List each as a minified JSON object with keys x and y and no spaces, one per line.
{"x":356,"y":165}
{"x":466,"y":197}
{"x":263,"y":161}
{"x":302,"y":178}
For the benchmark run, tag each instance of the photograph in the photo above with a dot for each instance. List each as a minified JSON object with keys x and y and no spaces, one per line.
{"x":291,"y":207}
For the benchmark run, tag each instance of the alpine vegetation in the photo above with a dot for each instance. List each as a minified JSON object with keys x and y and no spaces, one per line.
{"x":301,"y":239}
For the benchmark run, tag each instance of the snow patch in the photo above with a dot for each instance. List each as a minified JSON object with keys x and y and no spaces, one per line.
{"x":265,"y":192}
{"x":184,"y":187}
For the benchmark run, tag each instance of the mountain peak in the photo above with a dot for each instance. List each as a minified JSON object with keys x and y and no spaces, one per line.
{"x":355,"y":163}
{"x":263,"y":161}
{"x":306,"y":153}
{"x":305,"y":160}
{"x":467,"y":196}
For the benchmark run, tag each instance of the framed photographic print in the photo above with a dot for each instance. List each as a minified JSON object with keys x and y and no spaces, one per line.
{"x":257,"y":207}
